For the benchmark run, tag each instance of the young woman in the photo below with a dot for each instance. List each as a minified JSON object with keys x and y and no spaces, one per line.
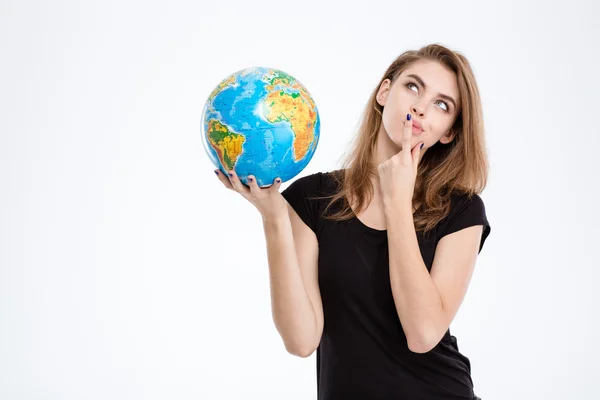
{"x":370,"y":263}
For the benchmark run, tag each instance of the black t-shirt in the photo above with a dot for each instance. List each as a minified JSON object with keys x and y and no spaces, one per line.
{"x":363,"y":353}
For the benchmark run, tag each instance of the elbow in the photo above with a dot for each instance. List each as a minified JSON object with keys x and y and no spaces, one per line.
{"x":421,"y":344}
{"x":298,"y":345}
{"x":302,"y":349}
{"x":420,"y":348}
{"x":302,"y":352}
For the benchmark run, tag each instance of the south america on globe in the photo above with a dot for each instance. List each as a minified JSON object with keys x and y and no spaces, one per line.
{"x":260,"y":121}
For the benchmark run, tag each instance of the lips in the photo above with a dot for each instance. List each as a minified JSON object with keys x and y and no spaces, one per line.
{"x":417,"y":124}
{"x":416,"y":127}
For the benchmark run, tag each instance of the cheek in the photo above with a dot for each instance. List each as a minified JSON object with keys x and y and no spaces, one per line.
{"x":393,"y":119}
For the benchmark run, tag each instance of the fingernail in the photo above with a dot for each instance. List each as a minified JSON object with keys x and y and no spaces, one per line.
{"x":217,"y":171}
{"x":408,"y":116}
{"x":230,"y":175}
{"x":422,"y":144}
{"x":249,"y":179}
{"x":277,"y":180}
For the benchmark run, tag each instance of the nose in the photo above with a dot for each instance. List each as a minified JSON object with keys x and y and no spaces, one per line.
{"x":417,"y":109}
{"x":419,"y":106}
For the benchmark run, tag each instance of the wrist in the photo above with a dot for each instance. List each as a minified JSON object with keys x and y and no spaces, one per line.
{"x":394,"y":207}
{"x":276,"y":219}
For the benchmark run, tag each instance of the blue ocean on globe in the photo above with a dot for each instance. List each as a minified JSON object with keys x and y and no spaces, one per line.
{"x":263,"y":122}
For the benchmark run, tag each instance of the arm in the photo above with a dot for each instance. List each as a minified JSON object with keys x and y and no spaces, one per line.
{"x":428,"y":302}
{"x":292,"y":251}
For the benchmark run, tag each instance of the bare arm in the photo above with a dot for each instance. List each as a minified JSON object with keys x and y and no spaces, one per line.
{"x":428,"y":302}
{"x":292,"y":252}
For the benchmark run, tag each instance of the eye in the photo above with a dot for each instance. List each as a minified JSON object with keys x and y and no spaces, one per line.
{"x":445,"y":108}
{"x":445,"y":105}
{"x":408,"y":85}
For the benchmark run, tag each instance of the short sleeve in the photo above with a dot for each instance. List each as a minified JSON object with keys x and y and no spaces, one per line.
{"x":467,"y":212}
{"x":299,"y":196}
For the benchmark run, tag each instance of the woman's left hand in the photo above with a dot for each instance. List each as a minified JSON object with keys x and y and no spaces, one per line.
{"x":397,"y":175}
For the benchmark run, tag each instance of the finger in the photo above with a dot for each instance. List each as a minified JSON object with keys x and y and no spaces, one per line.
{"x":238,"y":186}
{"x":224,"y":180}
{"x":276,"y":185}
{"x":254,"y":188}
{"x":416,"y":154}
{"x":406,"y":138}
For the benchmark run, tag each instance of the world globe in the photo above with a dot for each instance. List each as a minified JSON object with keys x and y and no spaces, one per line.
{"x":260,"y":121}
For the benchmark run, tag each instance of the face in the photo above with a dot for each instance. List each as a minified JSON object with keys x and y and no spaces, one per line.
{"x":428,"y":91}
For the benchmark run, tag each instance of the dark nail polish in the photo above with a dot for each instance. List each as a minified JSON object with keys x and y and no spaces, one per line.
{"x":249,"y":179}
{"x":422,"y":144}
{"x":277,"y":180}
{"x":217,"y":172}
{"x":408,"y":116}
{"x":230,"y":175}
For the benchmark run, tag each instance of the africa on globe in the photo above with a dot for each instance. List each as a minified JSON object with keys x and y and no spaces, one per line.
{"x":260,"y":121}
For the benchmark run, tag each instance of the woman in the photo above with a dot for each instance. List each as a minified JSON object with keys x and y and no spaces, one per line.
{"x":370,"y":263}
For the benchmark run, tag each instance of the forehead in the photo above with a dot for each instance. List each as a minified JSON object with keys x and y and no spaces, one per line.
{"x":436,"y":77}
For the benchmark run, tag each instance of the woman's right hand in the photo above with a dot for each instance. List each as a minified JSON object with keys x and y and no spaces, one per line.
{"x":268,"y":201}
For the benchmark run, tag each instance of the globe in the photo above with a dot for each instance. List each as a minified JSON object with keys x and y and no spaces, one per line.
{"x":260,"y":121}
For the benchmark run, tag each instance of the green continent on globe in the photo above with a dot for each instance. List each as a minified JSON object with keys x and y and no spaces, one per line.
{"x":226,"y":143}
{"x":296,"y":108}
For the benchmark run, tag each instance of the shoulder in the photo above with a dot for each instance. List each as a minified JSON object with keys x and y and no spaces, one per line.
{"x":466,"y":203}
{"x":308,"y":195}
{"x":315,"y":184}
{"x":465,"y":210}
{"x":303,"y":186}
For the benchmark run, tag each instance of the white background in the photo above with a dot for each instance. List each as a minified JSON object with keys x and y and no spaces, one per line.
{"x":127,"y":271}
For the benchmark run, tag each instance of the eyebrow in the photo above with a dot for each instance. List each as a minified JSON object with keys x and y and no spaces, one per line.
{"x":443,"y":96}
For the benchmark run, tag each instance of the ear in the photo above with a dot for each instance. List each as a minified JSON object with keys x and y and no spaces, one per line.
{"x":382,"y":94}
{"x":448,"y":137}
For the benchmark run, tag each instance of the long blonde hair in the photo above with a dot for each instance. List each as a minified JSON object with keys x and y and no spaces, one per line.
{"x":460,"y":166}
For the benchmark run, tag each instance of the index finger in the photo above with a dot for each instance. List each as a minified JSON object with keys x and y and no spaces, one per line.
{"x":407,"y":137}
